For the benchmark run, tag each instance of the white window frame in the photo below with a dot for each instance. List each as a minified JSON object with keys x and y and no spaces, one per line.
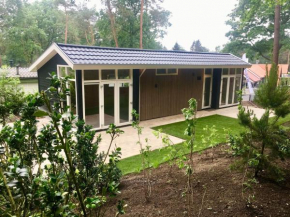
{"x":116,"y":83}
{"x":228,"y":76}
{"x":166,"y":74}
{"x":210,"y":95}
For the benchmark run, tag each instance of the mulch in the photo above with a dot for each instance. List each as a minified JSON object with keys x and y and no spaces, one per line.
{"x":217,"y":191}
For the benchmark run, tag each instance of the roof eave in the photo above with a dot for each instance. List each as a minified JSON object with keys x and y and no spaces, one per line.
{"x":147,"y":66}
{"x":47,"y":55}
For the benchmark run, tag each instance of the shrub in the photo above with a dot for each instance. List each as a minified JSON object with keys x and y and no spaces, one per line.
{"x":11,"y":97}
{"x":57,"y":171}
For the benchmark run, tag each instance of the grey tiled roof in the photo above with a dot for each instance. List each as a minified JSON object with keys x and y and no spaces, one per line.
{"x":23,"y":73}
{"x":90,"y":55}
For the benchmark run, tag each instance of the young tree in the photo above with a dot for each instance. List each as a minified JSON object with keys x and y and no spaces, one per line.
{"x":264,"y":141}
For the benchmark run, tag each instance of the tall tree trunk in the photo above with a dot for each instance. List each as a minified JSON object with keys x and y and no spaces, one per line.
{"x":111,"y":16}
{"x":66,"y":25}
{"x":276,"y":33}
{"x":141,"y":24}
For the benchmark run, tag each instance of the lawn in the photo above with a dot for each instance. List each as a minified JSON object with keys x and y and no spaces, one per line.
{"x":283,"y":120}
{"x":224,"y":126}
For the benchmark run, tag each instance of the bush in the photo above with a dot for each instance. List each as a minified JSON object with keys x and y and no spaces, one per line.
{"x":11,"y":97}
{"x":57,"y":171}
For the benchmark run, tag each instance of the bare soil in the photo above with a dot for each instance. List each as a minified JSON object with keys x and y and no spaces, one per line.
{"x":217,"y":191}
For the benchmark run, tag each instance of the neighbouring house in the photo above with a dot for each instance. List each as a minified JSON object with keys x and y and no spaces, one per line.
{"x":28,"y":80}
{"x":257,"y":72}
{"x":107,"y":83}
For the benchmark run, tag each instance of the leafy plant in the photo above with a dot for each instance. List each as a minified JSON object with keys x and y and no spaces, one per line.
{"x":56,"y":170}
{"x":210,"y":138}
{"x":11,"y":97}
{"x":191,"y":120}
{"x":173,"y":152}
{"x":145,"y":153}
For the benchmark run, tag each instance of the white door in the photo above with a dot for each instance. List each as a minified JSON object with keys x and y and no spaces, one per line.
{"x":116,"y":103}
{"x":108,"y":104}
{"x":228,"y":90}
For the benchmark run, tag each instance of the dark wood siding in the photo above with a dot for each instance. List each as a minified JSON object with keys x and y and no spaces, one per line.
{"x":166,"y":95}
{"x":43,"y":72}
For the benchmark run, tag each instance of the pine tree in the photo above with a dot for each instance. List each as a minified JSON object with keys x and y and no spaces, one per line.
{"x":177,"y":47}
{"x":264,"y":140}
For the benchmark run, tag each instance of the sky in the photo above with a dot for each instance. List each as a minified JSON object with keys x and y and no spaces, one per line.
{"x":198,"y":19}
{"x":194,"y":19}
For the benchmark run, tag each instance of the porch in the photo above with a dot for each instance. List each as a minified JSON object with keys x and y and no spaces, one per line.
{"x":105,"y":96}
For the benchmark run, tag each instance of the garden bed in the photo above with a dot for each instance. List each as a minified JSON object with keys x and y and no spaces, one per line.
{"x":221,"y":188}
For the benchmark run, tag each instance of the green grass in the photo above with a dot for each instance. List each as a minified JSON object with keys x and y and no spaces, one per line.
{"x":283,"y":120}
{"x":221,"y":123}
{"x":133,"y":164}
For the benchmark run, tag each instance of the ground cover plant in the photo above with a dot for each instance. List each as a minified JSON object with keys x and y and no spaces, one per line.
{"x":56,"y":171}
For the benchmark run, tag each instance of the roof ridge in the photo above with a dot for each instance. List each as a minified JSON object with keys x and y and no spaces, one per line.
{"x":137,"y":49}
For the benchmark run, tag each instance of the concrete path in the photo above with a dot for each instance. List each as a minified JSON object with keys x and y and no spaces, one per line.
{"x":128,"y":141}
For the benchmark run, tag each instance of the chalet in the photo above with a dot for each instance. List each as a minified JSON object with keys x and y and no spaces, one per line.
{"x":107,"y":83}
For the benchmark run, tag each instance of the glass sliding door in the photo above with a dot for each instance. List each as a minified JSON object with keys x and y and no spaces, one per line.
{"x":109,"y":103}
{"x":124,"y":98}
{"x":92,"y":105}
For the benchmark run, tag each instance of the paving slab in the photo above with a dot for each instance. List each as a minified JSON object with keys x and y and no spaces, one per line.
{"x":128,"y":141}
